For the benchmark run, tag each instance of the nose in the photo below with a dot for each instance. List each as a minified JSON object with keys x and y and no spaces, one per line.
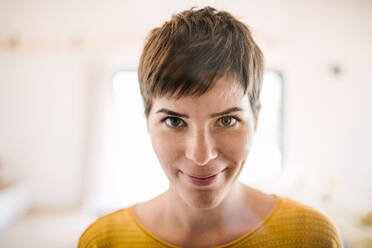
{"x":200,"y":147}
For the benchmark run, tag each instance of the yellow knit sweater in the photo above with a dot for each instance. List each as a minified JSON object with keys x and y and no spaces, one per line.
{"x":289,"y":224}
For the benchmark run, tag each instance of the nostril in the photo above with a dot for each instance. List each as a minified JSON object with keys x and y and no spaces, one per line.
{"x":201,"y":157}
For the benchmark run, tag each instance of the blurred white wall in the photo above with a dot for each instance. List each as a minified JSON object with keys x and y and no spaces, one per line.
{"x":57,"y":58}
{"x":43,"y":122}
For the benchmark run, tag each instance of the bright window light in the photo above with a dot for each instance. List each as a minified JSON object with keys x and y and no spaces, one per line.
{"x":264,"y":163}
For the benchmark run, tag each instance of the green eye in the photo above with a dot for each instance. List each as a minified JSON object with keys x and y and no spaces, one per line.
{"x":173,"y":121}
{"x":227,"y":121}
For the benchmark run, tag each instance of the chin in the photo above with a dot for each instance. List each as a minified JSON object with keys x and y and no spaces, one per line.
{"x":205,"y":199}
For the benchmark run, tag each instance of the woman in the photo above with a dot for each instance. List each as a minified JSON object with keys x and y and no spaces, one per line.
{"x":200,"y":76}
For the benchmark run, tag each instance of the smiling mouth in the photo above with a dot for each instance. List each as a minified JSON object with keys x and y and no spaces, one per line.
{"x":202,"y":180}
{"x":203,"y":177}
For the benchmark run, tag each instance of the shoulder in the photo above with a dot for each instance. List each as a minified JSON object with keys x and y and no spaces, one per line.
{"x":108,"y":228}
{"x":301,"y":223}
{"x":298,"y":212}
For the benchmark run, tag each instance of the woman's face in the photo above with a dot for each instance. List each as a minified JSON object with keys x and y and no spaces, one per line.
{"x":202,"y":142}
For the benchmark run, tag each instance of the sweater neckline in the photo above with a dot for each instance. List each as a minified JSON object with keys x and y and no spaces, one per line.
{"x":135,"y":219}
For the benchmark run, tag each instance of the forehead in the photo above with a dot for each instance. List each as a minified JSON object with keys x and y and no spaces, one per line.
{"x":224,"y":94}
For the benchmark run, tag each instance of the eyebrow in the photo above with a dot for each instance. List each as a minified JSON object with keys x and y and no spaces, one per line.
{"x":225,"y":112}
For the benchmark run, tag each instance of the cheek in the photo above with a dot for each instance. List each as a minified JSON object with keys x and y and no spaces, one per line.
{"x":236,"y":145}
{"x":167,"y":148}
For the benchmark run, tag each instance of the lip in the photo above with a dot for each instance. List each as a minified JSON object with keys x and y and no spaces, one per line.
{"x":202,"y":180}
{"x":203,"y":177}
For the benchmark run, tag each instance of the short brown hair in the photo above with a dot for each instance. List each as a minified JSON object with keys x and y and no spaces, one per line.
{"x":186,"y":55}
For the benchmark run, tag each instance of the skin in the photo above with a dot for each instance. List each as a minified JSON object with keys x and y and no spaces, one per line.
{"x":201,"y":136}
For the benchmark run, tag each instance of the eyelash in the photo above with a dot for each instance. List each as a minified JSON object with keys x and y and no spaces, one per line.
{"x":169,"y":117}
{"x":237,"y":119}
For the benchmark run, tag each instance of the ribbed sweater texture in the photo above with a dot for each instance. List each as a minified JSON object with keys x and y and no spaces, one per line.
{"x":289,"y":225}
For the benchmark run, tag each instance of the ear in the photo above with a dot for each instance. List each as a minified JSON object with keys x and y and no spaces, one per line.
{"x":256,"y":115}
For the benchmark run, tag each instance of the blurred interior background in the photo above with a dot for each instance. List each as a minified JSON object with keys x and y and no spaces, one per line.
{"x":72,"y":135}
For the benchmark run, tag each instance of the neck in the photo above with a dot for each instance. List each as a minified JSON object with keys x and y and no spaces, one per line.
{"x":179,"y":214}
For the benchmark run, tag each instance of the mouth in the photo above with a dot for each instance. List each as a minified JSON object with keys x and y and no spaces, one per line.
{"x":202,"y":180}
{"x":201,"y":177}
